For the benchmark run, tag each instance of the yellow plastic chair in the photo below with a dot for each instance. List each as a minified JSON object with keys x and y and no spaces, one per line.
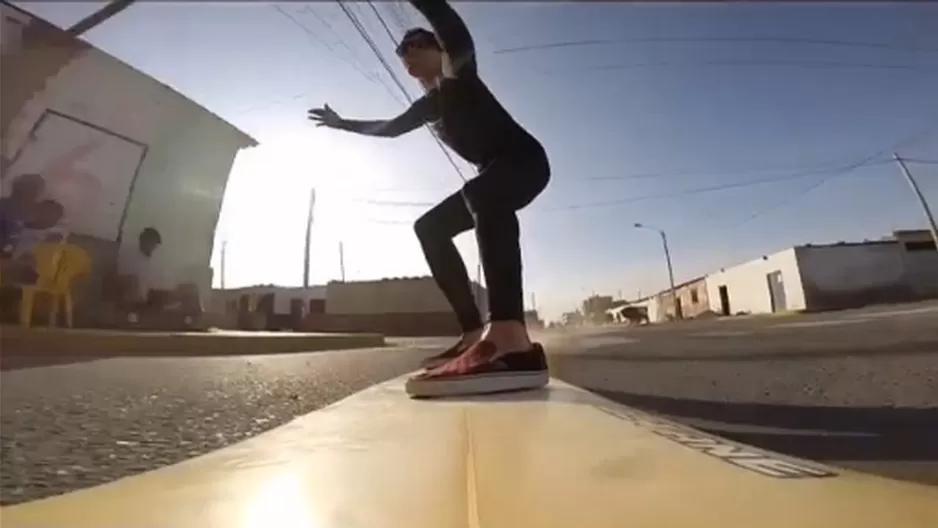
{"x":57,"y":264}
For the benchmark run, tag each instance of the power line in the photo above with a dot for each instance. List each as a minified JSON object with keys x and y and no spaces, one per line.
{"x":702,"y":190}
{"x":374,"y":48}
{"x":321,"y":41}
{"x":754,"y":63}
{"x":398,"y":16}
{"x":778,"y":40}
{"x":341,"y":41}
{"x":671,"y":194}
{"x":844,"y":170}
{"x":759,"y":168}
{"x":920,"y":161}
{"x":364,"y":34}
{"x":407,"y":14}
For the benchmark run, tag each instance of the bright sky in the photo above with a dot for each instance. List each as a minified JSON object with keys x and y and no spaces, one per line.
{"x":671,"y":112}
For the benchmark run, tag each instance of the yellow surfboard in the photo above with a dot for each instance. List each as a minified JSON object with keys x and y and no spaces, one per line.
{"x":557,"y":458}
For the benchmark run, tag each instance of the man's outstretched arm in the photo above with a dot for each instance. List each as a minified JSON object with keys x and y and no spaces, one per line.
{"x":415,"y":116}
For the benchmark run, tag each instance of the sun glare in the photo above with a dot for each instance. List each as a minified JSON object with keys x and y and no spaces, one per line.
{"x":263,"y":218}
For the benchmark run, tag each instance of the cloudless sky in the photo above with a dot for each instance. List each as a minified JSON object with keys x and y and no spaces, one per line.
{"x":622,"y":122}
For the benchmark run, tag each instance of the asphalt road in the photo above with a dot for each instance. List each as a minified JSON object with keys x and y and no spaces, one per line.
{"x":71,"y":426}
{"x":856,"y":388}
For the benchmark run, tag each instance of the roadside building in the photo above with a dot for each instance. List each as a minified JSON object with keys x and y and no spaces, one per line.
{"x":692,"y":300}
{"x":412,"y":306}
{"x":692,"y":297}
{"x":120,"y":150}
{"x":401,"y":306}
{"x":283,"y":307}
{"x":843,"y":275}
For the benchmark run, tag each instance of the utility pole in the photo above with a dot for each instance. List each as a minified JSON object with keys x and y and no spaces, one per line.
{"x":341,"y":261}
{"x":921,"y":198}
{"x":98,"y":17}
{"x":309,"y":231}
{"x":678,"y":312}
{"x":224,"y":251}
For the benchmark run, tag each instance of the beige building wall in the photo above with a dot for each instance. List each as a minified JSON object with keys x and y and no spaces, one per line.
{"x":391,"y":296}
{"x":747,"y":284}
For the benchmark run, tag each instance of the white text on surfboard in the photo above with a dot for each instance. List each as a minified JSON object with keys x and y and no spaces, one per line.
{"x":749,"y":458}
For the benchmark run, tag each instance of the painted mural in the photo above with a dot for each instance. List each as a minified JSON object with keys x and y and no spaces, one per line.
{"x":85,"y":168}
{"x":117,"y":149}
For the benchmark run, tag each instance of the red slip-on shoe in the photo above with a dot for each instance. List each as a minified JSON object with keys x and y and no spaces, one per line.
{"x":476,"y":372}
{"x":448,"y":355}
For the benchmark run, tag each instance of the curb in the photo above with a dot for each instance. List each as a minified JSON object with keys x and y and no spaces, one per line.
{"x":44,"y":345}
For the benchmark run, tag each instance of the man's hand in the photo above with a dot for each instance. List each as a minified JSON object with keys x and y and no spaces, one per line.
{"x":325,"y":116}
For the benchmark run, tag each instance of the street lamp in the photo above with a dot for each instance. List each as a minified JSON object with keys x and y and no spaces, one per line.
{"x":667,"y":257}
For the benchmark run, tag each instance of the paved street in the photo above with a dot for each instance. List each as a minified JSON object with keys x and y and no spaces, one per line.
{"x":857,"y":388}
{"x":72,"y":426}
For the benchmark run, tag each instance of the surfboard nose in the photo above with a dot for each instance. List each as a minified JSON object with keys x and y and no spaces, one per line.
{"x":559,"y":457}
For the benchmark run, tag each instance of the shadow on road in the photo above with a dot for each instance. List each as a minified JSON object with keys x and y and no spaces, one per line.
{"x":805,"y":351}
{"x":814,"y":432}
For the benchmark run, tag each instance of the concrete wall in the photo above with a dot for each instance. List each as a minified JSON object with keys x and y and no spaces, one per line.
{"x":693,"y":296}
{"x":921,"y":261}
{"x":652,"y":306}
{"x":922,"y":272}
{"x":391,"y":296}
{"x":119,"y":149}
{"x":282,"y":296}
{"x":748,"y":288}
{"x":390,"y":324}
{"x":853,"y":275}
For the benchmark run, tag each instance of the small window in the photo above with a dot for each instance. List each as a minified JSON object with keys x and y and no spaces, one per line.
{"x":924,"y":245}
{"x":693,"y":296}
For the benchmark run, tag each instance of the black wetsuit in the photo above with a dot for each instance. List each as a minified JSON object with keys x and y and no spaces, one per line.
{"x":513,"y":170}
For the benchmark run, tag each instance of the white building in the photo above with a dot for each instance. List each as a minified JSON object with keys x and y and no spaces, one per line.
{"x":120,"y":150}
{"x":829,"y":276}
{"x":416,"y":295}
{"x":284,"y":296}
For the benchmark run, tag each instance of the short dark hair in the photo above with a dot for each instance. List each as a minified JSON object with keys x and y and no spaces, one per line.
{"x":52,"y":205}
{"x":419,"y":38}
{"x":151,"y":233}
{"x":27,"y":179}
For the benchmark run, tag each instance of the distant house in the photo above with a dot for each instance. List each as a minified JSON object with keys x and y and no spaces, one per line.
{"x":400,"y":306}
{"x":830,"y":276}
{"x":811,"y":277}
{"x":313,"y":299}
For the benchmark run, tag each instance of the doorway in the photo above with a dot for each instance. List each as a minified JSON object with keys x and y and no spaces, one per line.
{"x":777,"y":291}
{"x":724,"y":300}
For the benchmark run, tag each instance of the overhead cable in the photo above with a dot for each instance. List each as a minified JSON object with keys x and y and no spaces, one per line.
{"x":929,"y":128}
{"x":357,"y":67}
{"x":364,"y":34}
{"x":778,"y":40}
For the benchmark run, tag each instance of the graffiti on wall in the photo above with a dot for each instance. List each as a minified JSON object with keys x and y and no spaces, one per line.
{"x":87,"y":168}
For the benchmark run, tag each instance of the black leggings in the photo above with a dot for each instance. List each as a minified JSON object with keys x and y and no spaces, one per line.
{"x":502,"y":188}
